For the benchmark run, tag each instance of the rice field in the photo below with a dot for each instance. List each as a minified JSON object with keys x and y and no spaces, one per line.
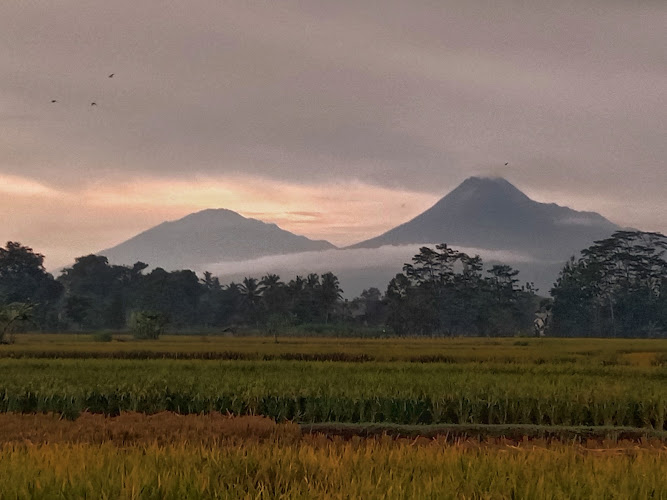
{"x":608,"y":352}
{"x":320,"y":468}
{"x":225,"y":417}
{"x":305,"y":391}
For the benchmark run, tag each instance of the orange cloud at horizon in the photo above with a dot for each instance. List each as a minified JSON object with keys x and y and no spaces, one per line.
{"x":342,"y":212}
{"x":64,"y":224}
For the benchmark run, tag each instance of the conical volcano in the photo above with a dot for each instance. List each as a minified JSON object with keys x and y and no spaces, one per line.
{"x":491,"y":213}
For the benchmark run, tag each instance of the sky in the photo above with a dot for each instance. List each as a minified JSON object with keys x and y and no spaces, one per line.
{"x":335,"y":120}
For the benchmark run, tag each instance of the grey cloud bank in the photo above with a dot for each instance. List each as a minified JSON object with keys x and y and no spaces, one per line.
{"x":410,"y":94}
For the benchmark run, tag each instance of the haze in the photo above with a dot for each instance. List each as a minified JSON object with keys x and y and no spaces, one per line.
{"x":334,"y":120}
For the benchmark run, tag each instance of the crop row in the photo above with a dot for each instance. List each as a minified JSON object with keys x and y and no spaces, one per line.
{"x":215,"y":429}
{"x":210,"y":355}
{"x":402,"y":393}
{"x":607,"y":352}
{"x":349,"y":380}
{"x":654,"y":359}
{"x":365,"y":469}
{"x":444,"y":410}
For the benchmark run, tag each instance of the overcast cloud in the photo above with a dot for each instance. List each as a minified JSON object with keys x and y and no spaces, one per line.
{"x":404,"y":98}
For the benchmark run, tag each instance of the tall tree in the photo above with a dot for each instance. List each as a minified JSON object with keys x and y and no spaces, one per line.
{"x":23,"y":279}
{"x":370,"y":307}
{"x":94,"y":292}
{"x":616,"y":288}
{"x":330,"y":294}
{"x":173,"y":294}
{"x":443,"y":292}
{"x":251,"y":297}
{"x":275,"y":298}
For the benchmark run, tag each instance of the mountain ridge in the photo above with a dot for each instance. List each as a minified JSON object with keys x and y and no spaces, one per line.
{"x":208,"y":236}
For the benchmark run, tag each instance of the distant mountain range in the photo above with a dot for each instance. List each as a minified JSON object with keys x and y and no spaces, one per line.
{"x":491,"y":213}
{"x":208,"y":236}
{"x":488,"y":216}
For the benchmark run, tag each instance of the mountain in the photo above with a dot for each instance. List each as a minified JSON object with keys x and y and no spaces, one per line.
{"x":491,"y":213}
{"x":488,"y":216}
{"x":206,"y":237}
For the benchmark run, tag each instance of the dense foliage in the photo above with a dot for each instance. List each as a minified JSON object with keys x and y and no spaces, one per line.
{"x":432,"y":299}
{"x":444,"y":291}
{"x":617,"y":288}
{"x":23,"y":279}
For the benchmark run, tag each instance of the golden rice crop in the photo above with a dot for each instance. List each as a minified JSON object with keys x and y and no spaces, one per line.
{"x":584,"y":351}
{"x":331,"y":469}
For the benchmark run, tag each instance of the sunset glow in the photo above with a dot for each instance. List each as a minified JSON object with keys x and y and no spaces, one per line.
{"x":104,"y":214}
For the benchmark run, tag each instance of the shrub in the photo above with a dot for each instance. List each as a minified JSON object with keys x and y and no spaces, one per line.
{"x":102,"y":337}
{"x":11,"y":316}
{"x":147,"y":324}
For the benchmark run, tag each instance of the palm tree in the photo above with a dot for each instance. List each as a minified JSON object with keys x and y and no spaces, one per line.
{"x":274,"y":294}
{"x":297,"y":285}
{"x":251,"y":296}
{"x":271,"y":281}
{"x":330,"y":294}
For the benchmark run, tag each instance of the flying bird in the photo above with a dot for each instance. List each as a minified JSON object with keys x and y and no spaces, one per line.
{"x":111,"y":75}
{"x":53,"y":100}
{"x":93,"y":104}
{"x":506,"y":163}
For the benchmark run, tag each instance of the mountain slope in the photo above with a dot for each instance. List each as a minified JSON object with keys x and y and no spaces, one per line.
{"x":491,"y":213}
{"x":209,"y":236}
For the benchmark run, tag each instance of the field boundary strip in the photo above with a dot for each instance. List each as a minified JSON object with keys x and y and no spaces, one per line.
{"x":517,"y":432}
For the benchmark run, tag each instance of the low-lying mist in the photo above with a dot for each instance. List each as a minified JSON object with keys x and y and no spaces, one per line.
{"x":362,"y":268}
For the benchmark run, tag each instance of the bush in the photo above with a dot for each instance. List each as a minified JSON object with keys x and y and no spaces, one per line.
{"x":147,"y":324}
{"x":11,"y":317}
{"x":102,"y":337}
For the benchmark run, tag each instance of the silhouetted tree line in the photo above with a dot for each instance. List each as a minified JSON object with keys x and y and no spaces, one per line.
{"x":618,"y":287}
{"x":93,"y":294}
{"x":445,"y":291}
